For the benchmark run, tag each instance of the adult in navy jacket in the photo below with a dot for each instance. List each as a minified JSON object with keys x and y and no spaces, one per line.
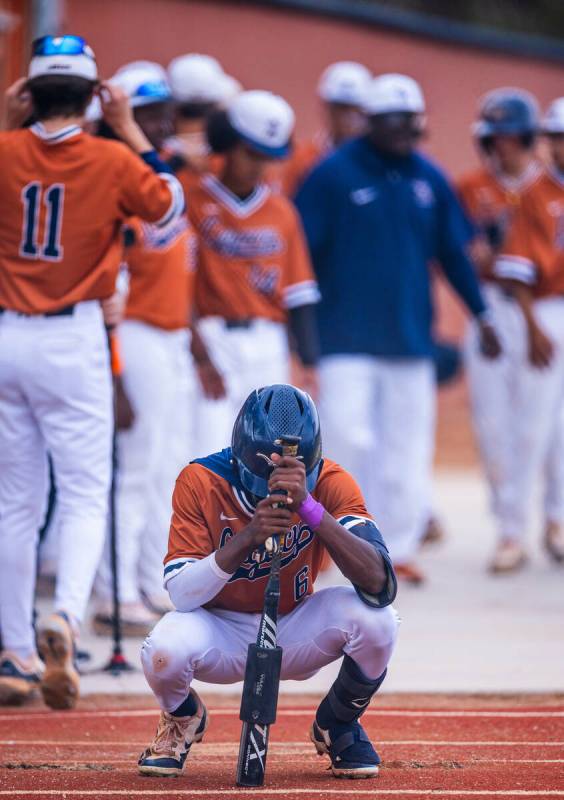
{"x":377,"y":215}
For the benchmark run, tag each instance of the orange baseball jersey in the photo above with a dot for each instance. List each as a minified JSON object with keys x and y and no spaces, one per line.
{"x":209,"y":509}
{"x":161,"y":264}
{"x":534,"y":249}
{"x":189,"y":177}
{"x":63,"y":197}
{"x":252,"y":256}
{"x":304,"y":158}
{"x":491,"y":200}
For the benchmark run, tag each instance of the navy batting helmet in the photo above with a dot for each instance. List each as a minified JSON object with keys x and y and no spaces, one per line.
{"x":507,"y":112}
{"x":267,"y":415}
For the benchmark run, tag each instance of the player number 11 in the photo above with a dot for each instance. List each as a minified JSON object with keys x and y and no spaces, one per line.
{"x":53,"y":198}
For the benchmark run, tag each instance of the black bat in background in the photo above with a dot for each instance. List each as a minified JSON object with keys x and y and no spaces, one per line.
{"x":262,"y":671}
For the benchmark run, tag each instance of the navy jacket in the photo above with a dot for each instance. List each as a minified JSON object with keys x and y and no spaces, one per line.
{"x":375,"y":224}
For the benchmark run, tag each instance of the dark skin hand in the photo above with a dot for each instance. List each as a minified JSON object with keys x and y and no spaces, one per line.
{"x":356,"y":559}
{"x":541,"y":348}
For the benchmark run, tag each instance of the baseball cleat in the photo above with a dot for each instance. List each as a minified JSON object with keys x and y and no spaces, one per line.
{"x":136,"y":620}
{"x":349,"y":748}
{"x":19,"y":679}
{"x":554,"y":540}
{"x":166,"y":755}
{"x":509,"y":557}
{"x":60,"y":682}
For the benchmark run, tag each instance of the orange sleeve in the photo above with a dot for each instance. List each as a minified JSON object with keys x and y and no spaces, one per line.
{"x":189,"y":536}
{"x":299,"y":285}
{"x":143,"y":193}
{"x":338,"y":491}
{"x":526,"y":255}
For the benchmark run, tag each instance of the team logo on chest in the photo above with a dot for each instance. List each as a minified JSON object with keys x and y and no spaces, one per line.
{"x":423,"y":192}
{"x":297,"y":539}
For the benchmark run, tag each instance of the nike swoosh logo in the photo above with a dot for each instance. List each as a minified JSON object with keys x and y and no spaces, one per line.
{"x":360,"y":702}
{"x":226,"y":519}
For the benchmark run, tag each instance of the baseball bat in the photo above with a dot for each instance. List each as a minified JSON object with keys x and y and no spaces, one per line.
{"x":262,"y":671}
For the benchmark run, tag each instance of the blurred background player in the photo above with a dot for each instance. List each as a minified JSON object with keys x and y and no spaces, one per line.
{"x":376,"y":214}
{"x":156,"y":390}
{"x":341,"y":89}
{"x":505,"y":133}
{"x":63,"y":197}
{"x":199,"y":85}
{"x":254,"y":278}
{"x":531,"y":263}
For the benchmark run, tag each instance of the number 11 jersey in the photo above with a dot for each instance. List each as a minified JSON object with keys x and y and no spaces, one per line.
{"x":63,"y":198}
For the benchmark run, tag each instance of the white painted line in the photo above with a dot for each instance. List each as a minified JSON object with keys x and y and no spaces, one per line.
{"x":387,"y":742}
{"x":200,"y":756}
{"x":289,"y":712}
{"x":341,"y":792}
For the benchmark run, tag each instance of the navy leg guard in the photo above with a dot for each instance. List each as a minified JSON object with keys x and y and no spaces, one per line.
{"x":349,"y":696}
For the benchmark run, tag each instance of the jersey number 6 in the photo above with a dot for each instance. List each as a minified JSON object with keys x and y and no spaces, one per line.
{"x":53,"y":199}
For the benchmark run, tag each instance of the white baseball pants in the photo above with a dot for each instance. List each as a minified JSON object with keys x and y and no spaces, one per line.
{"x":247,"y":358}
{"x":56,"y":396}
{"x":518,"y":419}
{"x":537,"y":433}
{"x":378,"y":421}
{"x":211,"y":645}
{"x":159,"y":380}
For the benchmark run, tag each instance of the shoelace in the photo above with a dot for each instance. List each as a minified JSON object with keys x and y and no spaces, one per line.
{"x":171,"y":737}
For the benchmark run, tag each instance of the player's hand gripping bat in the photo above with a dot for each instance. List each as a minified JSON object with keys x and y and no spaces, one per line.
{"x":262,"y":672}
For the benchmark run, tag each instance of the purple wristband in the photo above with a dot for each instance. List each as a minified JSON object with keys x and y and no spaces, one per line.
{"x":311,"y":512}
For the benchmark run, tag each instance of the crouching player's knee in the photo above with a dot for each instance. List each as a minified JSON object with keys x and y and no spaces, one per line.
{"x":373,"y":634}
{"x":164,"y":654}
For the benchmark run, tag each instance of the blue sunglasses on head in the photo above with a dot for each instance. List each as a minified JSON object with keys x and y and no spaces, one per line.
{"x":157,"y":90}
{"x":61,"y":46}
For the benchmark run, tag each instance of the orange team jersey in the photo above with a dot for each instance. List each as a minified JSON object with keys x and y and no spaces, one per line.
{"x":189,"y":177}
{"x":161,"y":273}
{"x":490,"y":200}
{"x":286,"y":177}
{"x":208,"y":510}
{"x":252,"y":256}
{"x":63,"y":198}
{"x":534,"y":250}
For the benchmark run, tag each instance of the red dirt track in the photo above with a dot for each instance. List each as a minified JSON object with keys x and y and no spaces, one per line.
{"x":453,"y":749}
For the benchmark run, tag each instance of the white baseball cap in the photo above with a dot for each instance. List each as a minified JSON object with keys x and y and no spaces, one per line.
{"x":393,"y":92}
{"x":264,"y":120}
{"x":553,"y":120}
{"x":196,"y":78}
{"x":344,"y":82}
{"x":231,"y":88}
{"x":62,"y":55}
{"x":144,"y":82}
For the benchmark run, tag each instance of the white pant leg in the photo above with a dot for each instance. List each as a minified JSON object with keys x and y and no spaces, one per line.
{"x":247,"y":358}
{"x":405,"y":423}
{"x":66,"y":374}
{"x":347,"y":411}
{"x":23,"y":484}
{"x":149,"y":377}
{"x":212,"y":645}
{"x":178,"y":450}
{"x":332,"y":622}
{"x":209,"y":645}
{"x":491,"y":401}
{"x":77,"y":423}
{"x":554,"y":474}
{"x":538,"y":399}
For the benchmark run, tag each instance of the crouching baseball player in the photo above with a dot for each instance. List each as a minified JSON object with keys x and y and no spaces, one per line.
{"x":225,"y":507}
